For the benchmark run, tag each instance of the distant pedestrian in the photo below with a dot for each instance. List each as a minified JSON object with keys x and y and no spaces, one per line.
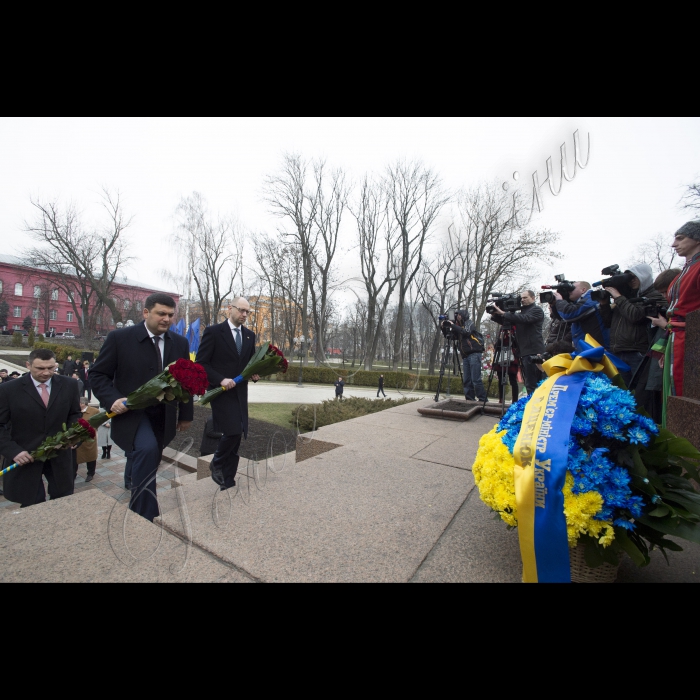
{"x":80,"y":384}
{"x":104,"y":440}
{"x":69,"y":367}
{"x":339,"y":389}
{"x":87,"y":452}
{"x":4,"y":376}
{"x":381,"y":387}
{"x":84,"y":375}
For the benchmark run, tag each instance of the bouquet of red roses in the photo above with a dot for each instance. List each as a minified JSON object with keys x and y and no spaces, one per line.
{"x":267,"y":361}
{"x":179,"y":382}
{"x":79,"y":432}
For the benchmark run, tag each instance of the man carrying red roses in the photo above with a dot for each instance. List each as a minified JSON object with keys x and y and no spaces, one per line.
{"x":129,"y":359}
{"x":224,"y":353}
{"x":32,"y":409}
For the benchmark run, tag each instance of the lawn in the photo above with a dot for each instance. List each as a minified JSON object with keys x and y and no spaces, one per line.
{"x":276,"y":413}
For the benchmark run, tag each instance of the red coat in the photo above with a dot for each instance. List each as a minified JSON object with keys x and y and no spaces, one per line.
{"x":685,"y":291}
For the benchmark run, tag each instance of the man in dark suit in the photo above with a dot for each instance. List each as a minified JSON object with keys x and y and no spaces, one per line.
{"x":224,"y":353}
{"x":69,"y":367}
{"x":32,"y":409}
{"x":129,"y":359}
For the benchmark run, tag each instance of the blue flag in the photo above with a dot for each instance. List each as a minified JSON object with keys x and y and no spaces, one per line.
{"x":181,"y":327}
{"x":193,"y":338}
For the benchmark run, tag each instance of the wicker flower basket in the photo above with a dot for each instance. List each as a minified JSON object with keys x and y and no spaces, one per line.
{"x":582,"y":573}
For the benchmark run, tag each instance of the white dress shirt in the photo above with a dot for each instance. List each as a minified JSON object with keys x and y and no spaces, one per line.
{"x":38,"y":384}
{"x":235,"y":331}
{"x":161,"y":344}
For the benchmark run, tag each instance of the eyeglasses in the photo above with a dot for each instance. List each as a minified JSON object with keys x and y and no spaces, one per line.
{"x":244,"y":312}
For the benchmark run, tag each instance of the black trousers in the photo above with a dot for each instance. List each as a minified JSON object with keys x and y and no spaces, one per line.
{"x":54,"y":492}
{"x":513,"y":378}
{"x":224,"y":466}
{"x":381,"y":391}
{"x":533,"y":374}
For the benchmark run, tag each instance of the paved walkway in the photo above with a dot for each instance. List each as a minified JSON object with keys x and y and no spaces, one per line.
{"x":393,"y":501}
{"x":282,"y":392}
{"x":109,"y":479}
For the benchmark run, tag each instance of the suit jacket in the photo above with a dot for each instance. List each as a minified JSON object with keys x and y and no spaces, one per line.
{"x":86,"y":380}
{"x":126,"y":362}
{"x":25,"y":423}
{"x":69,"y":366}
{"x":220,"y":358}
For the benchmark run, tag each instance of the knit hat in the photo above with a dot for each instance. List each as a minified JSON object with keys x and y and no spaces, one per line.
{"x":691,"y":230}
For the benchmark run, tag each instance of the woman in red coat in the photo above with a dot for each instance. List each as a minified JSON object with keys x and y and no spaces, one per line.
{"x":684,"y":298}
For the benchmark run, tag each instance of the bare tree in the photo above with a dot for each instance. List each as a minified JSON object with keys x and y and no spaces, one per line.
{"x":290,"y":199}
{"x":691,"y":198}
{"x":214,"y":255}
{"x":658,"y":253}
{"x":496,"y":252}
{"x":416,"y":197}
{"x":378,"y":242}
{"x":83,"y":263}
{"x":331,"y":202}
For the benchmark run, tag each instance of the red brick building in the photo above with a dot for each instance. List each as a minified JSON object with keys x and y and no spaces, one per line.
{"x":29,"y":294}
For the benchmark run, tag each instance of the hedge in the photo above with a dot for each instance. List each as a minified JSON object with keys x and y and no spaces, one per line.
{"x":62,"y":351}
{"x":403,"y":381}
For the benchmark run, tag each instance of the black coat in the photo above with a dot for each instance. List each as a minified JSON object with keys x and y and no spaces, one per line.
{"x":86,"y":380}
{"x":69,"y":367}
{"x":219,"y":357}
{"x":126,"y":362}
{"x":529,"y":329}
{"x":25,"y":423}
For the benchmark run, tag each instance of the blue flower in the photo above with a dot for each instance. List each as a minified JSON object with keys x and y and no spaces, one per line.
{"x":625,"y":525}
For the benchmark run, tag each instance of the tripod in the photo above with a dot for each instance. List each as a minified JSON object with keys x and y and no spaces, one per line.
{"x":504,"y":357}
{"x":451,"y":346}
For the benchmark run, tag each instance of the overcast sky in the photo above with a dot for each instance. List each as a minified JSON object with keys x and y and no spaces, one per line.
{"x":628,"y":194}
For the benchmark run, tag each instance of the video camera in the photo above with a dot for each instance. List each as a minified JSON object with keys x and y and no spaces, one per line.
{"x":652,"y":309}
{"x":508,"y":303}
{"x":446,"y":319}
{"x":564,"y":287}
{"x":617,"y":281}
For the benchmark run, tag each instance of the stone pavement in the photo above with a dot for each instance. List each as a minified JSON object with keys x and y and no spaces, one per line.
{"x":282,"y":392}
{"x":109,"y":479}
{"x":394,"y":502}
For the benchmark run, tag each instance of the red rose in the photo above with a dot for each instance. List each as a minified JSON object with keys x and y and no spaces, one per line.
{"x":87,"y":428}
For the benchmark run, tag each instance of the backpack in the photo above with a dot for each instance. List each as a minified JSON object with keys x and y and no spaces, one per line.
{"x":475,"y":340}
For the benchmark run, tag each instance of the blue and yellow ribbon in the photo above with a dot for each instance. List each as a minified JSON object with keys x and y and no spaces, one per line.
{"x":542,"y":457}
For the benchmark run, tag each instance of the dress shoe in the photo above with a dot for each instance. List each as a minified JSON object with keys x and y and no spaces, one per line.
{"x":89,"y":478}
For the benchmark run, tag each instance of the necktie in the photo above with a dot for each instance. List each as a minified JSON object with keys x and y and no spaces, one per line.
{"x":239,"y":341}
{"x":45,"y":396}
{"x":156,"y":340}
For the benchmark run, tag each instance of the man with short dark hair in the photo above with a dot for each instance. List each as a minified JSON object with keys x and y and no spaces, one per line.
{"x":130,"y":358}
{"x":69,"y":367}
{"x":4,"y":376}
{"x":33,"y":408}
{"x":529,"y":333}
{"x":583,"y":313}
{"x":381,"y":387}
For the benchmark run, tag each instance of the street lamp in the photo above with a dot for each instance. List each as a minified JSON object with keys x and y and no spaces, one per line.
{"x":300,"y":342}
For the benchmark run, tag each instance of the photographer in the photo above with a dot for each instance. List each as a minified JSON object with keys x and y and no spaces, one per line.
{"x":529,"y":326}
{"x":583,"y":313}
{"x":629,"y":334}
{"x":472,"y":347}
{"x":650,"y":388}
{"x":560,"y":335}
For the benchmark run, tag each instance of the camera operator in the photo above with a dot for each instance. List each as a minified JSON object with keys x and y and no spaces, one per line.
{"x":529,"y":328}
{"x":650,"y":388}
{"x":472,"y":347}
{"x":683,"y":298}
{"x":583,"y":313}
{"x":629,"y":334}
{"x":560,"y":339}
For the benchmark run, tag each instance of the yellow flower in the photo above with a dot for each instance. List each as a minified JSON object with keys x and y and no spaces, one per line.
{"x":494,"y":472}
